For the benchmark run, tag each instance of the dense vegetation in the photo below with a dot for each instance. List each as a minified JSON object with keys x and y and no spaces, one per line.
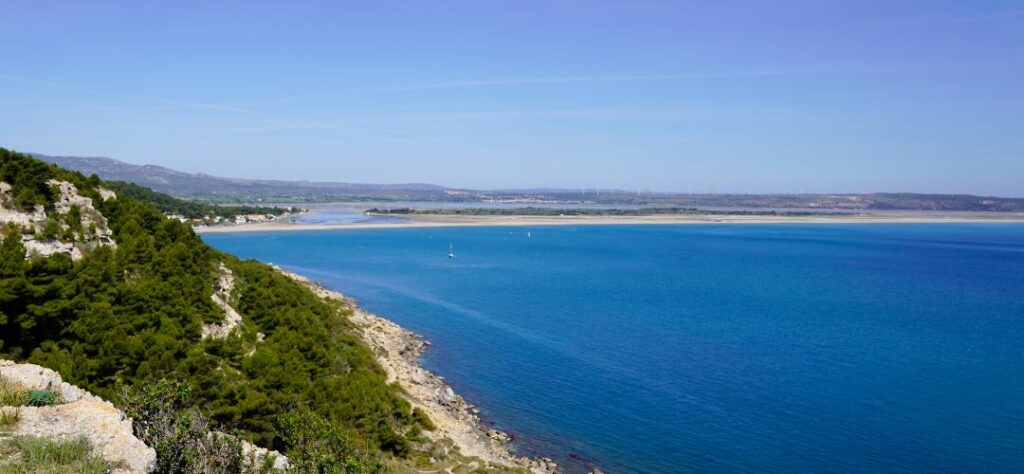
{"x":131,"y":315}
{"x":190,"y":209}
{"x":28,"y":178}
{"x":180,"y":433}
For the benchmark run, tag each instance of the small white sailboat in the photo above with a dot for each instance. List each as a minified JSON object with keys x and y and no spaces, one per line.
{"x":451,"y":251}
{"x":528,"y":234}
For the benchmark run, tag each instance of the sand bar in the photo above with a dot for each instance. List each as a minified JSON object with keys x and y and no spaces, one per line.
{"x":423,"y":221}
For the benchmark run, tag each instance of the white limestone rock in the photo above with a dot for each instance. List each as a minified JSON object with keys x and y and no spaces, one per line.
{"x":82,"y":414}
{"x":105,"y":193}
{"x":221,"y":295}
{"x":95,"y":229}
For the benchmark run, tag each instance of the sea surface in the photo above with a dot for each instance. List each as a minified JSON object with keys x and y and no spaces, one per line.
{"x":741,"y":348}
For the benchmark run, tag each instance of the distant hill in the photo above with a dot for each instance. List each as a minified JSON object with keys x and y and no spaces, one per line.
{"x":198,"y":185}
{"x":206,"y":187}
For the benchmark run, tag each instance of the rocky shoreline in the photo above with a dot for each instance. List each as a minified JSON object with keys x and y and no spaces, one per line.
{"x":398,"y":351}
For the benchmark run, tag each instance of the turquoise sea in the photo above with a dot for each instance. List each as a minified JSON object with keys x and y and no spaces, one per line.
{"x":749,"y":348}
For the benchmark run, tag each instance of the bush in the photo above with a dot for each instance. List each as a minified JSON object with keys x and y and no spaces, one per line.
{"x":181,"y":437}
{"x":421,"y":417}
{"x":317,"y":446}
{"x":41,"y":398}
{"x":50,"y":230}
{"x":184,"y":442}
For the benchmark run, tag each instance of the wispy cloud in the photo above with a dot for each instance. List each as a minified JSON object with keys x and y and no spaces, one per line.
{"x":167,"y":104}
{"x":752,"y":73}
{"x":949,"y":20}
{"x":581,"y":113}
{"x":262,"y":111}
{"x":837,"y":68}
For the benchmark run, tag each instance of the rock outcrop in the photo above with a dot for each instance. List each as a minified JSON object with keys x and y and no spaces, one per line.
{"x":94,"y":227}
{"x":81,"y":414}
{"x":10,"y":214}
{"x":105,"y":193}
{"x":91,"y":219}
{"x":258,"y":455}
{"x":221,"y":295}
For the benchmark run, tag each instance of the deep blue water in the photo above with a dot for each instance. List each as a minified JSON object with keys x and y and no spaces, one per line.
{"x":709,"y":347}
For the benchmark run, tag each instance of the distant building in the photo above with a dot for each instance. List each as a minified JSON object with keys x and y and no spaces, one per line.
{"x":253,"y":218}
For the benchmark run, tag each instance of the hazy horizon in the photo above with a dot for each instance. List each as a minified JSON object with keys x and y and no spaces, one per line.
{"x":595,"y":190}
{"x":829,"y":97}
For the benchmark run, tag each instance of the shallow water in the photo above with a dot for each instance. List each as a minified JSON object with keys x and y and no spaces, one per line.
{"x":877,"y":347}
{"x":341,"y":213}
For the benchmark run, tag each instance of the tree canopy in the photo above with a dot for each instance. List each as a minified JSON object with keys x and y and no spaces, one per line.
{"x":129,"y":315}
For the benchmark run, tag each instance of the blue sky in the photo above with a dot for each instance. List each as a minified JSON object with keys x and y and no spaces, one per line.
{"x":724,"y":96}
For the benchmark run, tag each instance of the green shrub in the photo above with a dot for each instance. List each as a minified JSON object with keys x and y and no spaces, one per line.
{"x":421,"y":417}
{"x":50,"y":230}
{"x":318,"y":446}
{"x":41,"y":398}
{"x":182,"y":437}
{"x":73,"y":219}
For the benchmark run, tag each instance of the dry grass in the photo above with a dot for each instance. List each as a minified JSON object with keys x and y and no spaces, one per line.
{"x":12,"y":394}
{"x":9,"y":418}
{"x":31,"y":455}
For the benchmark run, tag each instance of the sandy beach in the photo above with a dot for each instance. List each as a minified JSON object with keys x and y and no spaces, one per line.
{"x":423,"y":221}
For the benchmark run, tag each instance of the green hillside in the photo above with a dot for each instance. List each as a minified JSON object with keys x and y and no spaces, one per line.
{"x":125,"y":316}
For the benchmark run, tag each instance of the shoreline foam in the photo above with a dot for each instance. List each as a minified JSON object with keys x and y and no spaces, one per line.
{"x":398,"y":351}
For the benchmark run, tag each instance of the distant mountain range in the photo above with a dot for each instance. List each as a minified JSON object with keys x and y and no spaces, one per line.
{"x":198,"y":185}
{"x":203,"y":186}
